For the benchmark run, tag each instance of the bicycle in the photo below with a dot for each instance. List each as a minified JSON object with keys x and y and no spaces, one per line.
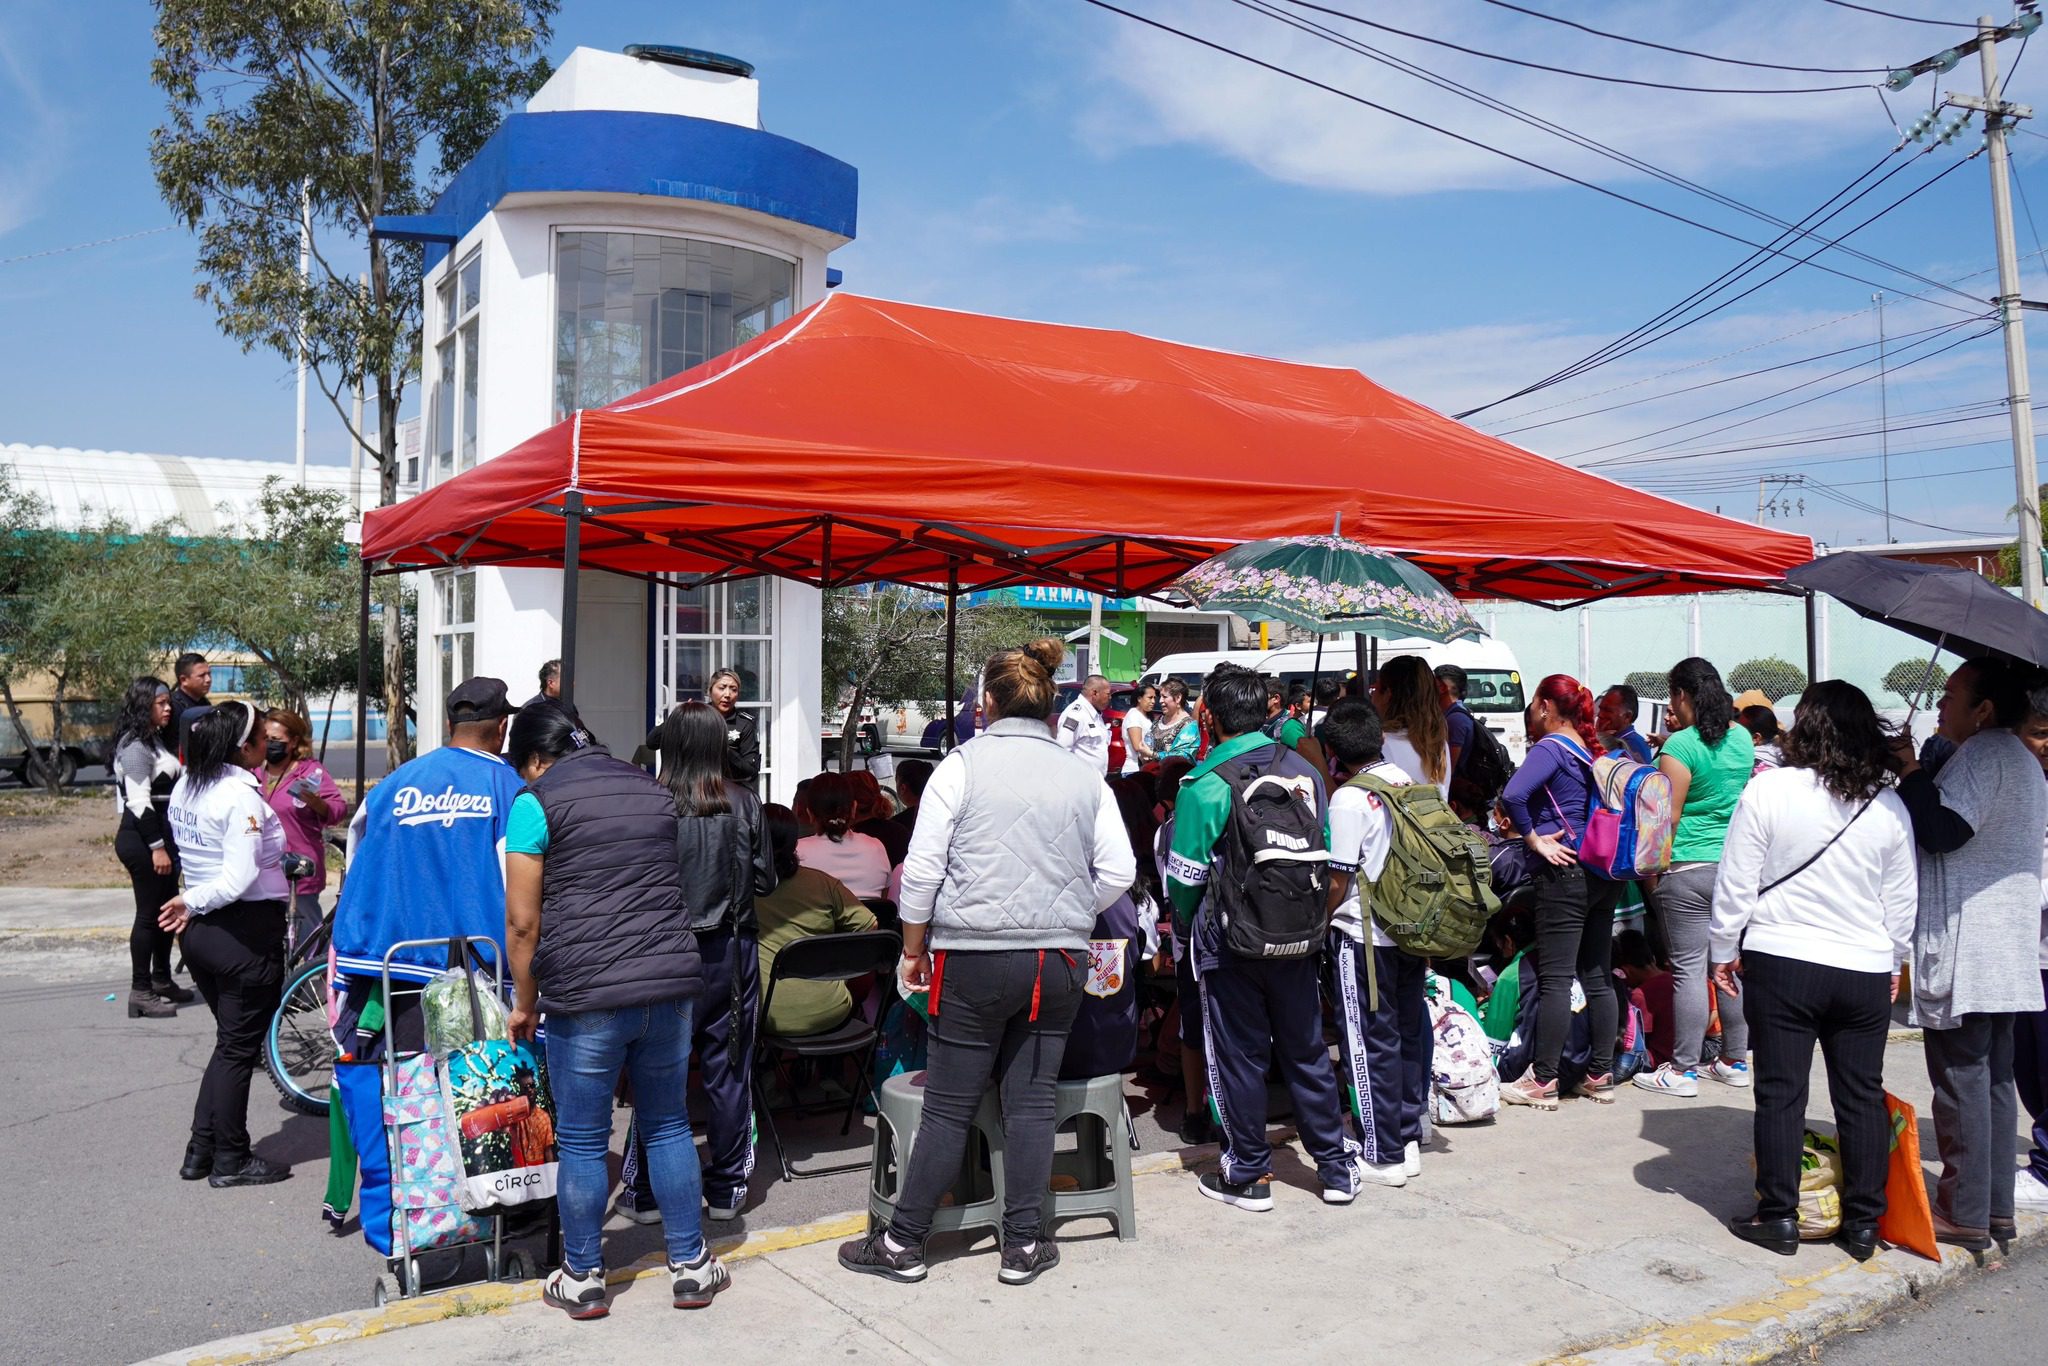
{"x":298,"y":1047}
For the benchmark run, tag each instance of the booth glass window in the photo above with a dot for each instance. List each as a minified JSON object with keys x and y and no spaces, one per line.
{"x":456,"y":369}
{"x":633,"y":309}
{"x":455,"y":626}
{"x":723,"y":626}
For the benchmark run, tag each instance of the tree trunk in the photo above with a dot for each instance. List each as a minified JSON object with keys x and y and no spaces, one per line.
{"x":53,"y":771}
{"x":849,"y":730}
{"x":34,"y":770}
{"x":397,"y":744}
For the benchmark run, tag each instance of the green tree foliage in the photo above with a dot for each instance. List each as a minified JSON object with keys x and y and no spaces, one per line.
{"x":1648,"y":683}
{"x":355,"y":109}
{"x":2009,"y":557}
{"x":284,"y":588}
{"x":886,"y":646}
{"x":1915,"y":681}
{"x":87,"y":610}
{"x":1776,"y":678}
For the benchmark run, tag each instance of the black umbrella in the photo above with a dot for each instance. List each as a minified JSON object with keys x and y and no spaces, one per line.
{"x":1958,"y":610}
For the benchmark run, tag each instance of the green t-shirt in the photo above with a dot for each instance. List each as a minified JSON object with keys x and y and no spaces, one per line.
{"x":1719,"y":773}
{"x":526,"y":832}
{"x":1292,"y":733}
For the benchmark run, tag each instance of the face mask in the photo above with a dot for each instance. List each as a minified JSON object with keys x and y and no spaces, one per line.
{"x":275,"y":751}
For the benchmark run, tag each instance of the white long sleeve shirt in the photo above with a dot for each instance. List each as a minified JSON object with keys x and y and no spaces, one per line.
{"x":1361,"y":837}
{"x":1852,"y":908}
{"x":230,"y":841}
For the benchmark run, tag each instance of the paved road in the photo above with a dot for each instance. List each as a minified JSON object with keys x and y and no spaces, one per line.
{"x":1989,"y":1321}
{"x":98,"y":1107}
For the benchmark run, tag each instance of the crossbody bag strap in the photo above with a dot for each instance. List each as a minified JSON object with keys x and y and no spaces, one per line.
{"x":1814,"y":858}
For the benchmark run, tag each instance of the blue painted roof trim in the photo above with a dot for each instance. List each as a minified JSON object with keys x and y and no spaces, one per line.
{"x":417,"y":227}
{"x":674,"y":156}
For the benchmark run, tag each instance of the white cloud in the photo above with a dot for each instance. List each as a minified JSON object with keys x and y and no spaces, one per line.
{"x":1161,"y":89}
{"x":33,"y":133}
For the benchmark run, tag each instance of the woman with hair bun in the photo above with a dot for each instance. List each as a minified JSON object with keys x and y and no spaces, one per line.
{"x":1548,"y":802}
{"x":860,"y":861}
{"x":1708,"y":761}
{"x":1019,"y":846}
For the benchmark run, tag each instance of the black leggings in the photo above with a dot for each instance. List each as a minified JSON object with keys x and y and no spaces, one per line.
{"x":1574,"y":940}
{"x":149,"y":947}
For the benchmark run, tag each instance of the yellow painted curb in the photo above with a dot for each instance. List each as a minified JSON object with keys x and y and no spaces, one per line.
{"x":272,"y":1344}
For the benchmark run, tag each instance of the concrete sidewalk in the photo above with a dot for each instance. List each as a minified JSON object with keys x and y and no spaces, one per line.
{"x":62,"y":910}
{"x":1594,"y":1233}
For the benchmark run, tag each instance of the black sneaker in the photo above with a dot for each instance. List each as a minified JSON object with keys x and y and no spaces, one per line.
{"x":198,"y":1163}
{"x":1255,"y":1196}
{"x":579,"y":1294}
{"x":249,"y":1171}
{"x":1196,"y":1127}
{"x":1022,"y":1262}
{"x":872,"y":1256}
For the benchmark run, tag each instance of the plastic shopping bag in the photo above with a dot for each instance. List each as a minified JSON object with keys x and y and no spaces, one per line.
{"x":1907,"y":1221}
{"x":1820,"y":1189}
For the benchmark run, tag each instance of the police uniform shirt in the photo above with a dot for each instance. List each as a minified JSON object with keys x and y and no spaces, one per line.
{"x":1082,"y":730}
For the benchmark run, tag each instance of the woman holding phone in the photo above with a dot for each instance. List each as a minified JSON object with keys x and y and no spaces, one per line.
{"x":307,"y":802}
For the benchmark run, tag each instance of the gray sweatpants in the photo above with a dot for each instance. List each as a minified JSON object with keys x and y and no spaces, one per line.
{"x":1685,"y":903}
{"x":1976,"y":1119}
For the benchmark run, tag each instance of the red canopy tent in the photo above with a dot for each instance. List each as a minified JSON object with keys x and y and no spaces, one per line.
{"x":866,"y":440}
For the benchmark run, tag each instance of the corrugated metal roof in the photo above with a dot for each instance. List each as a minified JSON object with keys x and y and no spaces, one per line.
{"x":205,"y":494}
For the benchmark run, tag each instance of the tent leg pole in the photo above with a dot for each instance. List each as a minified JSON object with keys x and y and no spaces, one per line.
{"x":1812,"y":640}
{"x":952,"y":651}
{"x":1362,"y":661}
{"x":363,"y":685}
{"x":572,"y":554}
{"x":1315,"y":677}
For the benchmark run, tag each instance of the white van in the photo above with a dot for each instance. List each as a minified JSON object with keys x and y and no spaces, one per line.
{"x":1493,"y":687}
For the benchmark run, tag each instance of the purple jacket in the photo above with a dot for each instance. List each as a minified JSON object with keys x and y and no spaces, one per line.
{"x":302,"y":830}
{"x":1552,"y":791}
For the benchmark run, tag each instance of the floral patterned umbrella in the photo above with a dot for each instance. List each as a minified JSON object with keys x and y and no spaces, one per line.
{"x":1327,"y":584}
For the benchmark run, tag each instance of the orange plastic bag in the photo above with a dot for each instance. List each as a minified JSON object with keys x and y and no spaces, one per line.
{"x":1908,"y":1222}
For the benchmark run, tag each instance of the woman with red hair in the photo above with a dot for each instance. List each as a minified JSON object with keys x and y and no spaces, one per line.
{"x":1548,"y":801}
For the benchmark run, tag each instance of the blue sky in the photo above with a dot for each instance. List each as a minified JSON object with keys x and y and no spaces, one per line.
{"x":1044,"y":159}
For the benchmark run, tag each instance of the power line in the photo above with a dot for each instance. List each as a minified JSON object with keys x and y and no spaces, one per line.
{"x":1902,"y":18}
{"x":1728,"y":379}
{"x":81,"y":246}
{"x":1893,"y":366}
{"x":1737,"y":481}
{"x":1766,"y":398}
{"x":1325,"y":86}
{"x":1688,"y":52}
{"x":1648,"y":333}
{"x":1270,"y":9}
{"x":1776,"y":443}
{"x":1569,"y":71}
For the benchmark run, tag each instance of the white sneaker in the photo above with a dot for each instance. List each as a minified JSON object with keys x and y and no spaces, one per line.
{"x":1382,"y":1173}
{"x":2028,"y":1192}
{"x":731,"y":1211}
{"x":579,"y":1294}
{"x":1728,"y":1073}
{"x":631,"y":1212}
{"x":1668,"y":1080}
{"x":1411,"y":1159}
{"x":691,"y":1287}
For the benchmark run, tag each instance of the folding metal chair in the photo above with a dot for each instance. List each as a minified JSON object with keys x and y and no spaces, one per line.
{"x":825,"y":958}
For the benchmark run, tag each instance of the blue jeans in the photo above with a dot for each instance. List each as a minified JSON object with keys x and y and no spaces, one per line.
{"x":586,"y":1052}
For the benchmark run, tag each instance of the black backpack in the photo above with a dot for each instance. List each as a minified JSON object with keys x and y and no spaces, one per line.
{"x":1485,"y":764}
{"x":1270,"y":891}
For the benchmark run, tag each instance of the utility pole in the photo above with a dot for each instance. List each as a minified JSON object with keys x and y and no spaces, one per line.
{"x":1998,"y":119}
{"x":1884,"y":423}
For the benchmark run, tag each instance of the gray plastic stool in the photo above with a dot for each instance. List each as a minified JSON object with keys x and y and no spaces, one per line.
{"x":1101,"y":1165}
{"x":977,"y":1196}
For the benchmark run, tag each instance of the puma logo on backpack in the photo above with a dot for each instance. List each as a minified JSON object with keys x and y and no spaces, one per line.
{"x":1270,"y":895}
{"x":1435,"y":895}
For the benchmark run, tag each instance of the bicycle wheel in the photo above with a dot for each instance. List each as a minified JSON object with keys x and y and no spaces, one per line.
{"x":298,"y":1049}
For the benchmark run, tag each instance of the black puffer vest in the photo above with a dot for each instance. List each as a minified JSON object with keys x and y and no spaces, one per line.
{"x":614,"y":925}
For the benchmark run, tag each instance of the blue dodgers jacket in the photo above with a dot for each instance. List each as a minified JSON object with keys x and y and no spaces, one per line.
{"x":428,"y":862}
